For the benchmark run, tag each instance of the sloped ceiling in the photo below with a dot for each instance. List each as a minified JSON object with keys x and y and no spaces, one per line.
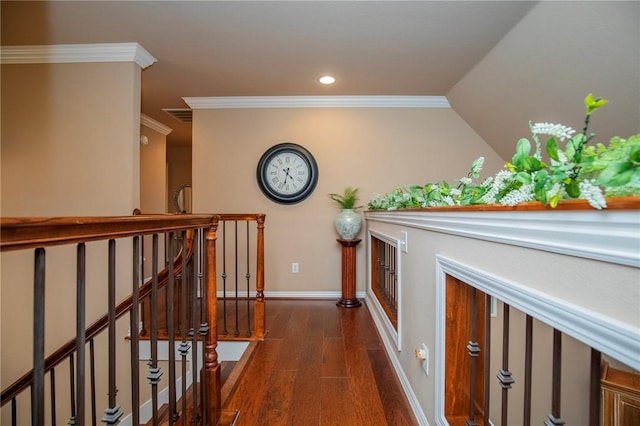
{"x":500,"y":63}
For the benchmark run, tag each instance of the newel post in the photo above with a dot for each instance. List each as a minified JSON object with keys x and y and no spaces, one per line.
{"x":211,"y":366}
{"x":259,"y":305}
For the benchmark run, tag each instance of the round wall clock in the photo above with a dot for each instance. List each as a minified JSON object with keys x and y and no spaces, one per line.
{"x":287,"y":173}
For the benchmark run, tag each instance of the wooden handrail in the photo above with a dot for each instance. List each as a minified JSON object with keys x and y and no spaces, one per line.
{"x":24,"y":233}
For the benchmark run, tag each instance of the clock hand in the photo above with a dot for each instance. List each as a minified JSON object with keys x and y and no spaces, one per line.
{"x":286,"y":172}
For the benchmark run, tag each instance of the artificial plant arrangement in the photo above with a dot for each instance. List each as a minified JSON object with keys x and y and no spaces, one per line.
{"x":348,"y":222}
{"x":578,"y":171}
{"x":346,"y":200}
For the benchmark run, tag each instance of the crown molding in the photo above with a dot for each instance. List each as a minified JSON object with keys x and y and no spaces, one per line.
{"x":149,"y":122}
{"x":229,"y":102}
{"x":77,"y":53}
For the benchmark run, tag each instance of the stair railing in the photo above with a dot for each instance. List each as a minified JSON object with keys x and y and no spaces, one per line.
{"x":40,"y":235}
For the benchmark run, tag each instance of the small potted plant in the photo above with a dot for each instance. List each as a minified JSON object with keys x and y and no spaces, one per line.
{"x":348,"y":222}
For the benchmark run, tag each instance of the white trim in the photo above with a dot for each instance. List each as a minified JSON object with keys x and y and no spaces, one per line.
{"x":607,"y":235}
{"x":604,"y":334}
{"x":77,"y":53}
{"x":228,"y":102}
{"x":395,"y":362}
{"x":303,"y":294}
{"x":396,"y":335}
{"x":439,"y":353}
{"x":149,"y":122}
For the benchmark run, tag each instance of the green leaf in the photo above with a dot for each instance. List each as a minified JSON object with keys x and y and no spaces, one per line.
{"x":541,"y":195}
{"x":572,"y":188}
{"x":570,"y":150}
{"x":522,"y":177}
{"x":553,"y":202}
{"x":634,"y":155}
{"x":523,"y":147}
{"x":532,"y":164}
{"x":593,"y":104}
{"x":616,"y":174}
{"x":552,"y":148}
{"x":518,"y":161}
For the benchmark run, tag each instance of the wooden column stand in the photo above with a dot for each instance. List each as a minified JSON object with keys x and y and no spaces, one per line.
{"x":348,"y":299}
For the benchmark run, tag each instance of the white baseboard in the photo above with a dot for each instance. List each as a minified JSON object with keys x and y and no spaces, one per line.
{"x":304,"y":294}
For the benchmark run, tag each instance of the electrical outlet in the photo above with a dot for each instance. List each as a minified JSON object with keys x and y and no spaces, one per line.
{"x":423,"y":355}
{"x":294,"y":268}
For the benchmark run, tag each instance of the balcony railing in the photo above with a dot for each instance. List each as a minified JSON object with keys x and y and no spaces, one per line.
{"x":108,"y":249}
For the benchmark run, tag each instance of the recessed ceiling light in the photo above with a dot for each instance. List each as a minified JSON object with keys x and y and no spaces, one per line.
{"x":327,"y":79}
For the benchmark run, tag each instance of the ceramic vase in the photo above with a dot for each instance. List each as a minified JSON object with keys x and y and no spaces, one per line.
{"x":348,"y":223}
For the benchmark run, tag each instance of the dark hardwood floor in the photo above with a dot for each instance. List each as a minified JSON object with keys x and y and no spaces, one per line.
{"x":319,"y":365}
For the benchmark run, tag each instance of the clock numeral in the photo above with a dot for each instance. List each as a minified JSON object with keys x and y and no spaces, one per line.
{"x":279,"y":160}
{"x":273,"y":173}
{"x":300,"y":180}
{"x":275,"y":180}
{"x":287,"y":160}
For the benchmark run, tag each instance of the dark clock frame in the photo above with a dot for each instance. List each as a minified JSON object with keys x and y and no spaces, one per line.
{"x":305,"y":191}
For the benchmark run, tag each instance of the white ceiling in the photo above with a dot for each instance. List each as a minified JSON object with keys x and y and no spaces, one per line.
{"x":272,"y":48}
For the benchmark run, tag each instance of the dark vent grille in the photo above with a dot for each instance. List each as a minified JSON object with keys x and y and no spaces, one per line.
{"x":184,"y":115}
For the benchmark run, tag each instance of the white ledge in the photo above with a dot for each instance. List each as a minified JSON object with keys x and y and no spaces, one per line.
{"x":317,"y":102}
{"x":607,"y":235}
{"x":77,"y":53}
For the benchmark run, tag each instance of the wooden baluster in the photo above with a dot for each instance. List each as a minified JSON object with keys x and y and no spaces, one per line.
{"x":72,"y":385}
{"x":92,"y":381}
{"x":52,"y":390}
{"x":173,"y":412}
{"x":248,"y":279}
{"x":259,"y":307}
{"x":528,"y":367}
{"x":113,"y":412}
{"x":155,"y":372}
{"x":80,"y":332}
{"x":225,"y":331}
{"x":554,"y":419}
{"x":184,"y":323}
{"x":14,"y":412}
{"x":504,"y":375}
{"x":37,"y":388}
{"x":474,"y":352}
{"x":211,"y":368}
{"x":487,"y":357}
{"x":134,"y":320}
{"x":594,"y":388}
{"x":195,"y":418}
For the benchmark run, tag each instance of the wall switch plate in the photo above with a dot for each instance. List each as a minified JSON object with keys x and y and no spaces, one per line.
{"x":404,"y":241}
{"x":294,"y":268}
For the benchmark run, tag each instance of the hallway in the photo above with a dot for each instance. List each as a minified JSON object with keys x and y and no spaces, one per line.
{"x":319,"y":365}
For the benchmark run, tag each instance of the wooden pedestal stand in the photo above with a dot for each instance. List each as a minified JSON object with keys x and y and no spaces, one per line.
{"x":348,"y":299}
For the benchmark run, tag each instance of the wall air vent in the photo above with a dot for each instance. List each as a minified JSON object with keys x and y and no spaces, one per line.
{"x":184,"y":115}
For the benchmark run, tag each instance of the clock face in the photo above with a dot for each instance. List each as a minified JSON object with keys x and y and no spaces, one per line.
{"x":287,"y":173}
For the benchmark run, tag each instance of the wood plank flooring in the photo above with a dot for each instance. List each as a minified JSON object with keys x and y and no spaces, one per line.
{"x":319,"y":365}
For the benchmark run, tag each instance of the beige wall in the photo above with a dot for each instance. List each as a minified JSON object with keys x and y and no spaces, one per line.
{"x":545,"y":66}
{"x":153,"y":172}
{"x":374,"y":149}
{"x":70,"y":131}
